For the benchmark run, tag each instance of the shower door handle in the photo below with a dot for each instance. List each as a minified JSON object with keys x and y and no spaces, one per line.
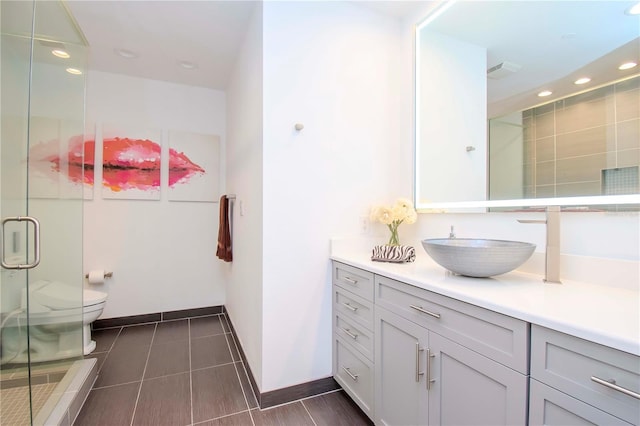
{"x":36,"y":242}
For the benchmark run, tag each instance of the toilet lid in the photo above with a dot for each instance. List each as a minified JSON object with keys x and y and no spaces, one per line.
{"x":57,"y":295}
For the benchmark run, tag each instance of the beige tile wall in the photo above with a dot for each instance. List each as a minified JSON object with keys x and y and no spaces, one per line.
{"x":568,"y":142}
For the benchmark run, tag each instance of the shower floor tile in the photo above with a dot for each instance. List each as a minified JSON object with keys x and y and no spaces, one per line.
{"x":14,"y":403}
{"x":191,"y":375}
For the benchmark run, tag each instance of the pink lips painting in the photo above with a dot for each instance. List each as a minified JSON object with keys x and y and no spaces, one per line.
{"x":128,"y":164}
{"x":135,"y":163}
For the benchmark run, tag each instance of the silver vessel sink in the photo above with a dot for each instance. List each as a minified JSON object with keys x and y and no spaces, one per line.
{"x":478,"y":257}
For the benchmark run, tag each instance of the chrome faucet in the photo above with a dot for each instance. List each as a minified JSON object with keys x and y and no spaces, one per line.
{"x":552,"y":251}
{"x":452,"y":234}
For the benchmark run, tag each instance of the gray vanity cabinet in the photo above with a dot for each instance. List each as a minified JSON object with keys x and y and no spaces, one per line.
{"x":353,"y":338}
{"x":426,"y":372}
{"x":574,"y":381}
{"x":409,"y":356}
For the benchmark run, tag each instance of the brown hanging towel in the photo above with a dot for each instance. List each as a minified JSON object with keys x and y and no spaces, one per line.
{"x":224,"y":234}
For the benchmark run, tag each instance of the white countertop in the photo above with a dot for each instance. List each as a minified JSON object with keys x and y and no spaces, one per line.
{"x":606,"y":315}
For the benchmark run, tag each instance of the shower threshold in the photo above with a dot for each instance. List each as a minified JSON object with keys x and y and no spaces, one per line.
{"x":54,"y":403}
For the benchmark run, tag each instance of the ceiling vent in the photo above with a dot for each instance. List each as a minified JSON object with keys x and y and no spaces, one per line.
{"x":502,"y":70}
{"x":51,"y":44}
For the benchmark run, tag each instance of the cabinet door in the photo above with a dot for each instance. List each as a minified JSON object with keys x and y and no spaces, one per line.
{"x":551,"y":407}
{"x":471,"y":389}
{"x":400,"y":383}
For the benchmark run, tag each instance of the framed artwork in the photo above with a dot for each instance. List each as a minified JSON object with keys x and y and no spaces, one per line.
{"x":89,"y":158}
{"x":131,"y":163}
{"x":194,"y":167}
{"x":57,"y":163}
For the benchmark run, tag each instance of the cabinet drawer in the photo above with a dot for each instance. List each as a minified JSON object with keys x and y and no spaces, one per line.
{"x":355,"y":335}
{"x":352,"y":307}
{"x":355,"y":374}
{"x":353,"y":279}
{"x":570,"y":365}
{"x":550,"y":407}
{"x":499,"y":337}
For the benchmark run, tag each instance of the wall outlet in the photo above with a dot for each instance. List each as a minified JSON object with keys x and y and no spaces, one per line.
{"x":364,"y":225}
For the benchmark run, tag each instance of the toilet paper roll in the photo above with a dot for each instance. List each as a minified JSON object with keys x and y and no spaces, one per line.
{"x":96,"y":276}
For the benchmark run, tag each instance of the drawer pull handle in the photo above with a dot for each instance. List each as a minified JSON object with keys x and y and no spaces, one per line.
{"x":418,"y":372}
{"x":424,"y":311}
{"x":349,"y":333}
{"x":611,"y":384}
{"x":354,"y":377}
{"x":350,"y":280}
{"x":348,"y":306}
{"x":429,"y":379}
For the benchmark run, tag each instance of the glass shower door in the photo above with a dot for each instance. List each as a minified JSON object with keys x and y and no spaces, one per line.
{"x":41,"y":196}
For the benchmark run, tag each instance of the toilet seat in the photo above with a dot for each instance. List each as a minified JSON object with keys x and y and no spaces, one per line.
{"x":59,"y":296}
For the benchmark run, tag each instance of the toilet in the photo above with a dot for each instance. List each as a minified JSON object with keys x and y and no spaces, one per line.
{"x":54,"y":319}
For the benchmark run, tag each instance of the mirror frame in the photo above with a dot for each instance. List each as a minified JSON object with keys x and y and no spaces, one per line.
{"x":483,"y":205}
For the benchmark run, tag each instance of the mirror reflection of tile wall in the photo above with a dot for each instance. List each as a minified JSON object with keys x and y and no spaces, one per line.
{"x":587,"y":144}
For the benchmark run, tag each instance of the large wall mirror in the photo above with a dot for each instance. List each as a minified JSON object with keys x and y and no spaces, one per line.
{"x":487,"y":137}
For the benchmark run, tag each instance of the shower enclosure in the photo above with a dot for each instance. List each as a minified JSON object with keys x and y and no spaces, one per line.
{"x":43,"y":59}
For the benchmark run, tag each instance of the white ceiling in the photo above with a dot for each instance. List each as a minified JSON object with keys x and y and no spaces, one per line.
{"x":209,"y":33}
{"x":164,"y":33}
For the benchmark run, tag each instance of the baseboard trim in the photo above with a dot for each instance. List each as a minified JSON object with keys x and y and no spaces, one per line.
{"x":293,"y":393}
{"x":252,"y":380}
{"x":155,"y":317}
{"x":284,"y":395}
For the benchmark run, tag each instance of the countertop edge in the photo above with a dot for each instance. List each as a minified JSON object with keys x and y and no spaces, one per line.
{"x":615,"y":332}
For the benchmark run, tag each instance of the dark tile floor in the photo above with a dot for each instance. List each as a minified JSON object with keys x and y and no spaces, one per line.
{"x":188,"y":372}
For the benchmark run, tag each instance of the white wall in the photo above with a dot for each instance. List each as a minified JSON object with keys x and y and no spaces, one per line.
{"x":162,"y":253}
{"x":244,"y":178}
{"x":452,"y":114}
{"x":336,"y":68}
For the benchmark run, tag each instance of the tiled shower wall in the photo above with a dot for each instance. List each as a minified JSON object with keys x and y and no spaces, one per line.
{"x":570,"y":141}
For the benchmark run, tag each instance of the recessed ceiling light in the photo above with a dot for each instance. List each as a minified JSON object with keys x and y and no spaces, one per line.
{"x":74,"y":71}
{"x":583,"y":80}
{"x":545,"y":93}
{"x":126,"y":53}
{"x":188,"y":65}
{"x":633,"y":10}
{"x":627,"y":66}
{"x":60,"y":53}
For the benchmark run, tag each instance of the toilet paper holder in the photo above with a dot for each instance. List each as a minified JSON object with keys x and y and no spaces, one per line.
{"x":106,"y":275}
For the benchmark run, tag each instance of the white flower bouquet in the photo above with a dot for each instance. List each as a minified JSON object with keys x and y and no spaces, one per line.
{"x":401,"y":212}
